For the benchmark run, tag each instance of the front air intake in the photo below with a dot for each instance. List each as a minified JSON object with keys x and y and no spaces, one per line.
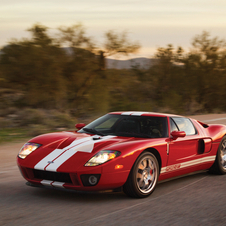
{"x":52,"y":176}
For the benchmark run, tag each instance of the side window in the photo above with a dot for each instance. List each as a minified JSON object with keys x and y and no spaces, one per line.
{"x":173,"y":126}
{"x":184,"y":124}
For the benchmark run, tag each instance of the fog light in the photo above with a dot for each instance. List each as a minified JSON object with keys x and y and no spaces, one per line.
{"x":90,"y":179}
{"x":93,"y":180}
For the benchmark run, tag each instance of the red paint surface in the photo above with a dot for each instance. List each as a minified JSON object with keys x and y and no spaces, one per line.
{"x":180,"y":151}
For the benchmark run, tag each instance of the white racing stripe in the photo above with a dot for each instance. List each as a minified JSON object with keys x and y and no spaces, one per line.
{"x":187,"y":164}
{"x":46,"y":182}
{"x":127,"y":113}
{"x":135,"y":113}
{"x":57,"y":157}
{"x":86,"y":146}
{"x":57,"y":184}
{"x":138,"y":113}
{"x":52,"y":183}
{"x":54,"y":154}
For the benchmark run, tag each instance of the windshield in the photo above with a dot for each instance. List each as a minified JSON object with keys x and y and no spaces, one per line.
{"x":128,"y":126}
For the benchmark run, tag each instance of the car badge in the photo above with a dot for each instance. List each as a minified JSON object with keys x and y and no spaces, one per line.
{"x":49,"y":162}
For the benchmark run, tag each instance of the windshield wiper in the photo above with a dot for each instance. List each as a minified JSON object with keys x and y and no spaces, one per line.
{"x":93,"y":131}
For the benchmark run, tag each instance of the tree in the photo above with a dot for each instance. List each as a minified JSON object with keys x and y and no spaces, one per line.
{"x":75,"y":37}
{"x":167,"y":78}
{"x":119,"y":44}
{"x":34,"y":67}
{"x":39,"y":35}
{"x":81,"y":65}
{"x":205,"y":67}
{"x":86,"y":62}
{"x":116,"y":44}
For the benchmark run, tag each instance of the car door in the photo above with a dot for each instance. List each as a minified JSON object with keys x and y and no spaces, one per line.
{"x":183,"y":151}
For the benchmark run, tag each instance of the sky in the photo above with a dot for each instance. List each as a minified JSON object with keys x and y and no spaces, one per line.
{"x":153,"y":23}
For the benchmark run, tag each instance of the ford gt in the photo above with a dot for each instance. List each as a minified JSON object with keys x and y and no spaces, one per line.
{"x":128,"y":150}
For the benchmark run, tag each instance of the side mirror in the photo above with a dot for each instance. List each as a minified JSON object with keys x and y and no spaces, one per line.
{"x":176,"y":134}
{"x":80,"y":126}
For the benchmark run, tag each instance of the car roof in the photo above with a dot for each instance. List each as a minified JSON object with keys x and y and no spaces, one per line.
{"x":141,"y":113}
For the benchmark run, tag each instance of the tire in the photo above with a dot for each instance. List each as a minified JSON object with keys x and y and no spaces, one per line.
{"x":219,"y":166}
{"x":143,"y":177}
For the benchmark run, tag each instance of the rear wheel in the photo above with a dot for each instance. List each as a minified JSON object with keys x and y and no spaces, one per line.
{"x":143,"y":176}
{"x":219,"y":165}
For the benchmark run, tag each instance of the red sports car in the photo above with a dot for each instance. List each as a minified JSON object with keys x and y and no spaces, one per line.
{"x":129,"y":150}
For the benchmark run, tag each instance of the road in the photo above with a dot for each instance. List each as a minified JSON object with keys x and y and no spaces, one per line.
{"x":197,"y":199}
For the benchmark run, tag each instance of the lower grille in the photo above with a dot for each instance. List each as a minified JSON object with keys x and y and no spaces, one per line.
{"x":53,"y":176}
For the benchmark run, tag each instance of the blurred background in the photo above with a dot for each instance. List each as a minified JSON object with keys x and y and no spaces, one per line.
{"x":63,"y":62}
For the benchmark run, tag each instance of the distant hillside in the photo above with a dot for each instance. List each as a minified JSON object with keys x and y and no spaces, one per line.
{"x":142,"y":62}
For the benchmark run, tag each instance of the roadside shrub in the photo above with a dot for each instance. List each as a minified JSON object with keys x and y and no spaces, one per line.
{"x":31,"y":116}
{"x":36,"y":121}
{"x":35,"y":130}
{"x":62,"y":120}
{"x":7,"y":111}
{"x":4,"y":123}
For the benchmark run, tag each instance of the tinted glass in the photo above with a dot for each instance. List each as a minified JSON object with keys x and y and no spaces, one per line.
{"x":173,"y":126}
{"x":184,"y":124}
{"x":129,"y":126}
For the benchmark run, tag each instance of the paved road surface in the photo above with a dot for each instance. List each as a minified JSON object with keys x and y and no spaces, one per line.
{"x":198,"y":199}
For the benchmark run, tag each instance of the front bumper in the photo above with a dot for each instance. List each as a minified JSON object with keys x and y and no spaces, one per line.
{"x":75,"y":181}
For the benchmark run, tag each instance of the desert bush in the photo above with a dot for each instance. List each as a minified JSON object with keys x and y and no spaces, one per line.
{"x":7,"y":111}
{"x":59,"y":119}
{"x":35,"y":130}
{"x":4,"y":123}
{"x":51,"y":119}
{"x":31,"y":116}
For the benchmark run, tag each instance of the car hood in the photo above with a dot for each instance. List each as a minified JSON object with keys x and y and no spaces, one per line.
{"x":69,"y":149}
{"x":81,"y":141}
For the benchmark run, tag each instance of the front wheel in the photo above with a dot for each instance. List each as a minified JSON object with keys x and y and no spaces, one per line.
{"x":143,"y":176}
{"x":219,"y":165}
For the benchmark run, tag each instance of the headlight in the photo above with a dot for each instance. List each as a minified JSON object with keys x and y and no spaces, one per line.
{"x":102,"y":157}
{"x":27,"y":149}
